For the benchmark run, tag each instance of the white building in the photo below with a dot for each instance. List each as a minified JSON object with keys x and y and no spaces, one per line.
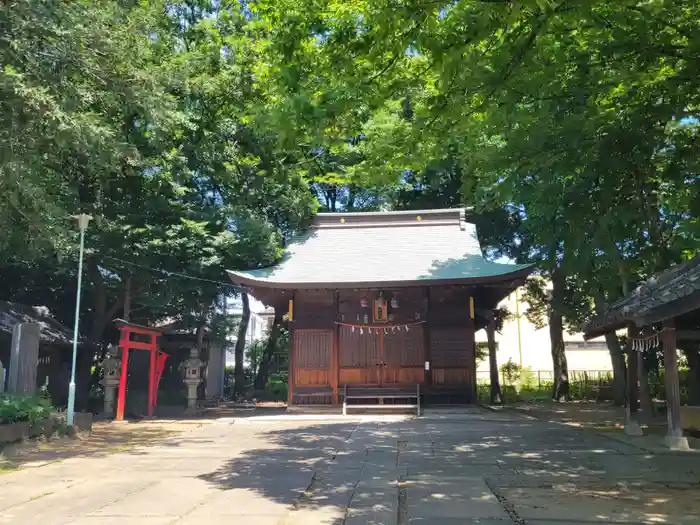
{"x":260,"y":321}
{"x":524,"y":343}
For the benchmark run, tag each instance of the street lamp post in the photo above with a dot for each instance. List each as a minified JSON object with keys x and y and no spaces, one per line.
{"x":83,"y":220}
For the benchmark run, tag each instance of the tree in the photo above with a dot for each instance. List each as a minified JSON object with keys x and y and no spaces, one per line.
{"x":239,"y":372}
{"x":141,"y":118}
{"x":271,"y":346}
{"x":76,"y":79}
{"x":582,"y":118}
{"x":495,"y":324}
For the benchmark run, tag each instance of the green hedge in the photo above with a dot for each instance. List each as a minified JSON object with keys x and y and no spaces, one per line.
{"x":276,"y":390}
{"x":17,"y":409}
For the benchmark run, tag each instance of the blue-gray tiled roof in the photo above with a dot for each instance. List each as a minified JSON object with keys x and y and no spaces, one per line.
{"x":401,"y":248}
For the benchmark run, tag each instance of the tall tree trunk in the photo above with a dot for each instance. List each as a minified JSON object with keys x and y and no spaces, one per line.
{"x":496,"y":395}
{"x":239,"y":350}
{"x":268,"y":354}
{"x":127,"y":297}
{"x":199,"y":337}
{"x":560,"y":388}
{"x":617,"y":357}
{"x":619,"y":366}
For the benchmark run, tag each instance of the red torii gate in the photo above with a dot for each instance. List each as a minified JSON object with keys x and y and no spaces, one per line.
{"x":156,"y":364}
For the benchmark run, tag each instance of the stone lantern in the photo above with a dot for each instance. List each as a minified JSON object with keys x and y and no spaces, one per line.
{"x":112,"y":366}
{"x":192,"y":378}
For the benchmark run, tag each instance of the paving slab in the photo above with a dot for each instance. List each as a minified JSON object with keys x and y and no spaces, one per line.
{"x":604,"y":505}
{"x":166,"y":497}
{"x":470,"y":498}
{"x":463,"y":521}
{"x":120,"y":520}
{"x":66,"y":504}
{"x":314,"y":516}
{"x":214,"y":520}
{"x":445,"y":471}
{"x":241,"y":503}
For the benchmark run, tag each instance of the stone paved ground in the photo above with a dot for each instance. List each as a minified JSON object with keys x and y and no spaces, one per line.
{"x":468,"y":468}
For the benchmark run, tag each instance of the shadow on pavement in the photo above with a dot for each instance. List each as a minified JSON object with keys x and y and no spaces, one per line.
{"x":429,"y":470}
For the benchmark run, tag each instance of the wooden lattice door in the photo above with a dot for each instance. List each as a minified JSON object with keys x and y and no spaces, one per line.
{"x":403,"y":356}
{"x":359,"y":357}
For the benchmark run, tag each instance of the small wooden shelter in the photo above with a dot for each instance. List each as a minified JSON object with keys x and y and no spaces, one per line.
{"x":664,"y":310}
{"x":384,"y":300}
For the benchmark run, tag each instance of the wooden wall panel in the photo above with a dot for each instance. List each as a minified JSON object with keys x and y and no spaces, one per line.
{"x":451,"y":347}
{"x":403,"y":376}
{"x":311,"y":378}
{"x":312,"y":357}
{"x":358,"y":376}
{"x":411,"y":305}
{"x":405,"y":348}
{"x":452,"y":376}
{"x":314,"y":309}
{"x":313,"y":348}
{"x":449,"y":308}
{"x":357,"y":350}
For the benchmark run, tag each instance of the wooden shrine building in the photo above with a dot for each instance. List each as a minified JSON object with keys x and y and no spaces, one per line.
{"x":384,"y":300}
{"x":664,"y":311}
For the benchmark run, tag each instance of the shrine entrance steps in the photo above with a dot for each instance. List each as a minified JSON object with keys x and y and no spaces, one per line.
{"x":378,"y":400}
{"x":385,"y":398}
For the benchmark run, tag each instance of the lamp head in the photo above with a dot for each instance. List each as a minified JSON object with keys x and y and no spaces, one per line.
{"x":83,"y":220}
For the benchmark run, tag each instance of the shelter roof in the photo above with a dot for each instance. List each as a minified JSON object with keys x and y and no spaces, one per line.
{"x":404,"y":248}
{"x":51,"y":331}
{"x":671,"y":293}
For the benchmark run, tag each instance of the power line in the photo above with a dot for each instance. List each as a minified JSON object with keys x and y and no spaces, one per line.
{"x":175,"y":274}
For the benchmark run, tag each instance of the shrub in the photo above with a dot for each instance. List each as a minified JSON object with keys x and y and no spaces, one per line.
{"x":528,"y":379}
{"x":509,"y":393}
{"x":17,"y":409}
{"x":510,"y":372}
{"x":483,"y":393}
{"x":274,"y":391}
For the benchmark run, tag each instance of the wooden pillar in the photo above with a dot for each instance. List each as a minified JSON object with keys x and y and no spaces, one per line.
{"x":472,"y":345}
{"x":674,"y":437}
{"x":428,"y":369}
{"x":632,"y":427}
{"x":152,"y":375}
{"x":121,"y":398}
{"x":335,"y":362}
{"x":496,"y":395}
{"x":292,"y":352}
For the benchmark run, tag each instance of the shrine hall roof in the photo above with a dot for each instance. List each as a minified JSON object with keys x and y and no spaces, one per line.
{"x":405,"y":248}
{"x":673,"y":292}
{"x":343,"y":250}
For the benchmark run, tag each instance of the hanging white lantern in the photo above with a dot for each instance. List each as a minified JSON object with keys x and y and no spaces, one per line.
{"x":394,"y":302}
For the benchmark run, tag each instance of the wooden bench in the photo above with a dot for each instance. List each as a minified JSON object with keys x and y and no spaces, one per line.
{"x":312,"y":391}
{"x":380,"y":394}
{"x":603,"y":392}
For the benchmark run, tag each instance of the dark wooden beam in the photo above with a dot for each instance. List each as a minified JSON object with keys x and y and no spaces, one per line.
{"x":335,"y":355}
{"x":292,"y":351}
{"x":674,"y":437}
{"x":688,"y":335}
{"x":428,"y":374}
{"x":632,"y":427}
